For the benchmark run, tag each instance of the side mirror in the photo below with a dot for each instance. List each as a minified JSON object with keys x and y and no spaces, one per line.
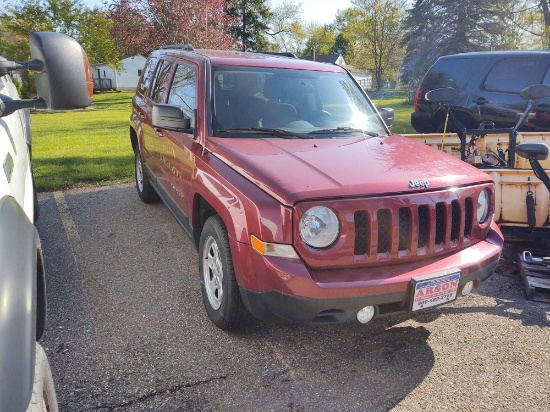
{"x":443,"y":95}
{"x":535,"y":92}
{"x":536,"y":151}
{"x":387,"y":114}
{"x":63,"y":75}
{"x":65,"y":82}
{"x":171,"y":117}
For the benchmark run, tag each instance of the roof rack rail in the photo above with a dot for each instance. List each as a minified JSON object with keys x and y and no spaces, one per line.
{"x":186,"y":47}
{"x":284,"y":54}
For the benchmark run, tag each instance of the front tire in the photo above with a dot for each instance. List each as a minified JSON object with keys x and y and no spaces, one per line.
{"x":145,"y":191}
{"x":219,"y":287}
{"x":43,"y":391}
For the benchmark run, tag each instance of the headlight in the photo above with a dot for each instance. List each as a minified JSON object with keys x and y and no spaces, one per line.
{"x":483,"y":206}
{"x":319,"y":227}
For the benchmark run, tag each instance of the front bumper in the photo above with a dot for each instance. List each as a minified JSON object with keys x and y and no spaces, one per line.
{"x":276,"y":288}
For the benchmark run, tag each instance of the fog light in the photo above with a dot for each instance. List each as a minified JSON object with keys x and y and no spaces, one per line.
{"x":467,"y":289}
{"x":366,"y":314}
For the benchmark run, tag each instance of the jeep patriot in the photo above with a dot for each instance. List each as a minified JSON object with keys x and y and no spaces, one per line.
{"x":302,"y":204}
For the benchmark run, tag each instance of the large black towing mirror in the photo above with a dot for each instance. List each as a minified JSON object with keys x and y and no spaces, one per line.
{"x":62,"y":73}
{"x":535,"y":152}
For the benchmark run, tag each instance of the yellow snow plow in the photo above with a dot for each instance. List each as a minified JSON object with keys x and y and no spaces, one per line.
{"x":517,"y":161}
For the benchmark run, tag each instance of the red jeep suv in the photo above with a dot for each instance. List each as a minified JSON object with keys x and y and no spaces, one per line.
{"x":302,"y":204}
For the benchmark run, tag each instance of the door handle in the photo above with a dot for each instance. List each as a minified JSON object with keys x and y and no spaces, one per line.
{"x":481,"y":100}
{"x":141,"y":115}
{"x":158,"y":132}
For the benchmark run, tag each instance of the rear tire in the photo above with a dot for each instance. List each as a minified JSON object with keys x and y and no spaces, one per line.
{"x":146,"y":192}
{"x":43,"y":391}
{"x":220,"y":290}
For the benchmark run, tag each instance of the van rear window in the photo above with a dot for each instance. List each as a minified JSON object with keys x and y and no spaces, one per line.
{"x":448,"y":73}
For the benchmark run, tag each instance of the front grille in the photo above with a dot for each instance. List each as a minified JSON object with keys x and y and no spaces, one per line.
{"x":469,"y":217}
{"x":438,"y":226}
{"x":456,"y":218}
{"x":402,"y":228}
{"x":361,"y":233}
{"x":384,"y":230}
{"x":405,"y":228}
{"x":440,"y":223}
{"x":423,"y":225}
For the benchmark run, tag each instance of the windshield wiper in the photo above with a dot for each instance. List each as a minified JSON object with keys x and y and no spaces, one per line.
{"x":343,"y":130}
{"x":276,"y":132}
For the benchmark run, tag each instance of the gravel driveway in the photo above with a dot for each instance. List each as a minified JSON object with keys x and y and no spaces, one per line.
{"x":127,"y":332}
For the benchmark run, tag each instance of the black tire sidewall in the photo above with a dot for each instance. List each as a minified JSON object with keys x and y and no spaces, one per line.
{"x":224,"y":316}
{"x":147,"y":194}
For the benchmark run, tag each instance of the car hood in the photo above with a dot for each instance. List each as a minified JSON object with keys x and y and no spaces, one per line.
{"x":292,"y":170}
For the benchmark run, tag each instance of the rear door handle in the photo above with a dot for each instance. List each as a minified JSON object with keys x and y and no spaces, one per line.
{"x":481,"y":100}
{"x":141,"y":115}
{"x":158,"y":132}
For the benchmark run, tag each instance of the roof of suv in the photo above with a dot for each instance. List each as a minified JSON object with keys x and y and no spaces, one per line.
{"x":497,"y":53}
{"x":238,"y":58}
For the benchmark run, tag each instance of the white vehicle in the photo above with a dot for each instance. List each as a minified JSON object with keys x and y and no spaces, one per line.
{"x":63,"y":81}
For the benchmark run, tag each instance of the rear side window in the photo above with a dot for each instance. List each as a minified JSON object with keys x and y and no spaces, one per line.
{"x":147,"y":74}
{"x":159,"y":82}
{"x":449,"y":73}
{"x":512,"y":75}
{"x":183,"y":90}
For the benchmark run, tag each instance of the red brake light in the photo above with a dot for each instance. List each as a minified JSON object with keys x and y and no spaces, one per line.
{"x":417,"y":97}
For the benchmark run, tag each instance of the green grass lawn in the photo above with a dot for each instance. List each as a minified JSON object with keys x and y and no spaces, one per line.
{"x":92,"y":146}
{"x":397,"y":100}
{"x":84,"y":147}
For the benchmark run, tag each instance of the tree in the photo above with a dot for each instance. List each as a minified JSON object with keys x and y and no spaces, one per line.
{"x":130,"y":30}
{"x":341,"y":45}
{"x":253,"y":21}
{"x":532,"y":19}
{"x":202,"y":23}
{"x":321,"y":38}
{"x":440,"y":27}
{"x":90,"y":27}
{"x":374,"y":31}
{"x":287,"y":29}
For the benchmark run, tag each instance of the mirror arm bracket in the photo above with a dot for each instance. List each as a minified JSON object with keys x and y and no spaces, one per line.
{"x":6,"y":66}
{"x":8,"y":105}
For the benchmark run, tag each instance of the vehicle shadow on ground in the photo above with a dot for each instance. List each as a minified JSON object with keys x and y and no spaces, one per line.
{"x":351,"y":366}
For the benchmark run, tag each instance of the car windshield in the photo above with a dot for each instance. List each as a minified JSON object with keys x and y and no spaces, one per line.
{"x":286,"y":103}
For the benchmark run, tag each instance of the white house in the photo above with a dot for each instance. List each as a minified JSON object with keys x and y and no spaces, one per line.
{"x":106,"y":78}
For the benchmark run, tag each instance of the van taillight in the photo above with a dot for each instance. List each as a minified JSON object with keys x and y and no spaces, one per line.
{"x":417,"y":97}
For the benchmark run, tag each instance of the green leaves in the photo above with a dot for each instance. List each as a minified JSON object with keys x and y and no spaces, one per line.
{"x":90,"y":27}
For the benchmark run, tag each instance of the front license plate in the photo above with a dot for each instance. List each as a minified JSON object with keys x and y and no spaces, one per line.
{"x":436,"y":289}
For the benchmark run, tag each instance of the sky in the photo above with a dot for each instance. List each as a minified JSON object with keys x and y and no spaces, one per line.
{"x":320,"y":11}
